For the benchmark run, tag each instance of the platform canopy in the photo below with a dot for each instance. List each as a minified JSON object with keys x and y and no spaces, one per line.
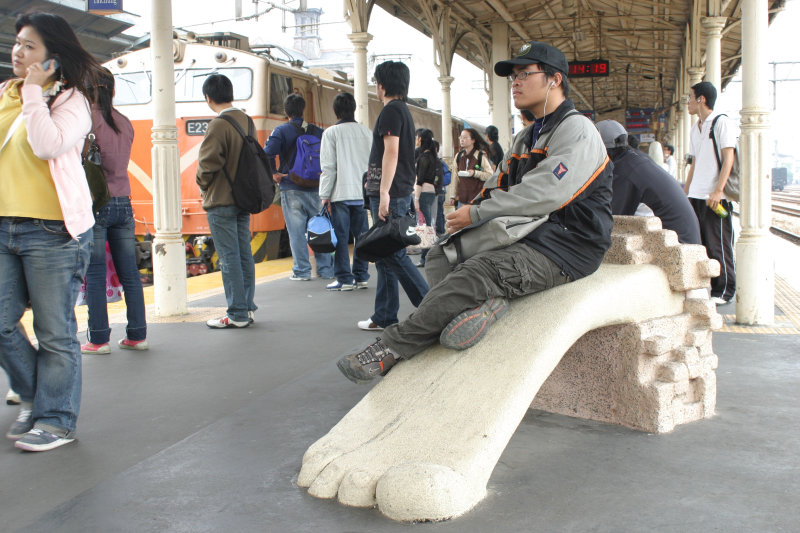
{"x":644,"y":41}
{"x":100,"y":35}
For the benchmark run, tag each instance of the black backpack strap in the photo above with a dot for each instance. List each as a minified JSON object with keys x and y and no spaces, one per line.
{"x":714,"y":139}
{"x":251,"y":127}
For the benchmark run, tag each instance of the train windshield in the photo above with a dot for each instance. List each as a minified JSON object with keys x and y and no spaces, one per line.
{"x":137,"y":87}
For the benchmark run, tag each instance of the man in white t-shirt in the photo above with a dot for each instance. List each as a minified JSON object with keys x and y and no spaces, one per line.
{"x":706,"y":181}
{"x":669,"y":159}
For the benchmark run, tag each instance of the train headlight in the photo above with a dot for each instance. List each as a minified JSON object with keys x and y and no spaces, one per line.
{"x":122,"y":62}
{"x":221,"y":57}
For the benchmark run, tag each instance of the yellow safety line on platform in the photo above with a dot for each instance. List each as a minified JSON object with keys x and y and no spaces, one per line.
{"x":205,"y":286}
{"x":787,"y":300}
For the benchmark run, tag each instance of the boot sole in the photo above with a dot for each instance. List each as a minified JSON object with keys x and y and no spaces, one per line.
{"x":468,"y":328}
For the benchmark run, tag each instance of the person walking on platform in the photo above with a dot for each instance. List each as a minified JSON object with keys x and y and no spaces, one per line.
{"x":391,"y":164}
{"x":343,"y":157}
{"x":558,"y":173}
{"x":229,"y":224}
{"x":299,"y":202}
{"x":45,"y":225}
{"x":639,"y":180}
{"x":669,"y":159}
{"x":473,"y":165}
{"x":114,"y":224}
{"x":705,"y":183}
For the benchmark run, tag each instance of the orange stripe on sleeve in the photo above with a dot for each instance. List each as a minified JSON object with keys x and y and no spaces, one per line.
{"x":588,"y":182}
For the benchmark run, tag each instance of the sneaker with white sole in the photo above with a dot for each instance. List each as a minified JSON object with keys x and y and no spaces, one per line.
{"x":369,"y":325}
{"x":127,"y":344}
{"x":251,"y":316}
{"x":298,"y":278}
{"x":23,"y":424}
{"x":12,"y":398}
{"x":469,"y":327}
{"x":367,"y":364}
{"x":339,"y":286}
{"x":362,"y":284}
{"x":91,"y":347}
{"x":39,"y":440}
{"x":226,"y":322}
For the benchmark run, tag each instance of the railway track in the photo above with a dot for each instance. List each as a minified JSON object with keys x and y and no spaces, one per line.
{"x":786,"y":203}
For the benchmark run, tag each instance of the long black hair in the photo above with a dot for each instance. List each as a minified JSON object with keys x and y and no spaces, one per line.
{"x":78,"y":68}
{"x":103,"y":95}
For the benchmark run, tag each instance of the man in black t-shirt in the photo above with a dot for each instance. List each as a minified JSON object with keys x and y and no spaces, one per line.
{"x":392,"y":158}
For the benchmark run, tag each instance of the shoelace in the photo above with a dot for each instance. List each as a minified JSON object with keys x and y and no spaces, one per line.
{"x":24,"y":415}
{"x":373,"y":353}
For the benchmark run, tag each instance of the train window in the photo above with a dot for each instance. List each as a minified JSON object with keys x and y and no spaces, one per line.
{"x":132,"y":88}
{"x":279,"y":88}
{"x":189,"y":83}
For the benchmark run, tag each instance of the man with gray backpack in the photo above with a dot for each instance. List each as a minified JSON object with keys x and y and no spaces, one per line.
{"x":297,"y":144}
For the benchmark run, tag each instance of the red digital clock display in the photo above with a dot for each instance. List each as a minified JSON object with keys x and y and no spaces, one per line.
{"x":588,"y":69}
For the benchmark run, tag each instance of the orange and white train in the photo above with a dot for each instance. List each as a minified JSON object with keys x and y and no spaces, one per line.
{"x":260,"y":85}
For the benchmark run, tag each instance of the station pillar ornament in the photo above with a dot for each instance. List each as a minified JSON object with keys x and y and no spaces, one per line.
{"x":714,"y":27}
{"x":447,"y":138}
{"x":360,"y":41}
{"x":695,"y":75}
{"x":168,"y":248}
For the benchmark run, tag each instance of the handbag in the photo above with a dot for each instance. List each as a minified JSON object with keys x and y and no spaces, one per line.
{"x":320,"y":235}
{"x":387,"y":237}
{"x":113,"y":285}
{"x":372,"y":182}
{"x":486,"y":235}
{"x":98,"y":186}
{"x":427,"y":235}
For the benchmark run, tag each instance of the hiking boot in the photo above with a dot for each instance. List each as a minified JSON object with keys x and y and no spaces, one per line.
{"x":339,"y":286}
{"x":369,"y":325}
{"x":91,"y":347}
{"x":362,"y":367}
{"x":226,"y":322}
{"x":127,"y":344}
{"x":12,"y":398}
{"x":361,"y":284}
{"x":469,"y":327}
{"x":23,"y":424}
{"x":39,"y":440}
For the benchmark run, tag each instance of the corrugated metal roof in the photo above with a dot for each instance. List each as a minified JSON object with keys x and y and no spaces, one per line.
{"x":643,"y":40}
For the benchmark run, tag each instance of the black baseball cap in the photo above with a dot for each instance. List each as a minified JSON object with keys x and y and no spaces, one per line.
{"x":534,"y":52}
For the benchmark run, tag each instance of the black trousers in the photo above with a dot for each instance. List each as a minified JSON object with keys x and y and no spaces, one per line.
{"x":717,"y":236}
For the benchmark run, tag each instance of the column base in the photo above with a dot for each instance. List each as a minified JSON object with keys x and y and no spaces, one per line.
{"x":755,"y":280}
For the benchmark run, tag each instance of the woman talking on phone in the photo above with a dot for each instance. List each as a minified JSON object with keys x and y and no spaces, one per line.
{"x":45,"y":225}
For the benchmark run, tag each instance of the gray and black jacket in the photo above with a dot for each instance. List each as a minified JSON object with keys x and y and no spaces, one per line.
{"x":565,"y":176}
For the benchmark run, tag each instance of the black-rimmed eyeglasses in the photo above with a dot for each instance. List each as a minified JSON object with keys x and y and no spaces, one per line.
{"x":522,"y":75}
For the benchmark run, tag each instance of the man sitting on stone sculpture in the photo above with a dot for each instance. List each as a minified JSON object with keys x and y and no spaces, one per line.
{"x":558,"y":171}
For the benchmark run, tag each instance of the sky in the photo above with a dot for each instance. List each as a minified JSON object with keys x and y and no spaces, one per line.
{"x":468,"y":99}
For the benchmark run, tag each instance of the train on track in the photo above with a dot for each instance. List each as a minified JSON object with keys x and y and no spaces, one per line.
{"x":260,"y":84}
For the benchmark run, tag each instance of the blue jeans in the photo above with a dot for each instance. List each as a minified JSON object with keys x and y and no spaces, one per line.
{"x":298,"y":207}
{"x":440,"y":213}
{"x":230,"y":229}
{"x":41,"y":262}
{"x":115,"y":223}
{"x":393,"y":269}
{"x":347,"y":220}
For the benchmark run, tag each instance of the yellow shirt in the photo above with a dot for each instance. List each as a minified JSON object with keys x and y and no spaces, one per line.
{"x":26,"y":186}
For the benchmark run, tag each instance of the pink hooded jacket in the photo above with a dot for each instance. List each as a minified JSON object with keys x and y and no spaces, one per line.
{"x":57,"y":135}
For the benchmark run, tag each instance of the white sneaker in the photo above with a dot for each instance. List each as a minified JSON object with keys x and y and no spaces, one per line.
{"x":362,"y":284}
{"x":225,"y":322}
{"x":12,"y":398}
{"x":719,"y":301}
{"x":369,"y":325}
{"x":251,"y":316}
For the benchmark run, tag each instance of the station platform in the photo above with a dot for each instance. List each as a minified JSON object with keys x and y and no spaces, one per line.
{"x":205,"y":432}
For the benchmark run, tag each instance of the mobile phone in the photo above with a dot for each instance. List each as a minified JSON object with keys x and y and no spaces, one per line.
{"x":46,"y":64}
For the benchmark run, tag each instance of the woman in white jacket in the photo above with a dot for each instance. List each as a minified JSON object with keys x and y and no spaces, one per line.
{"x":45,"y":225}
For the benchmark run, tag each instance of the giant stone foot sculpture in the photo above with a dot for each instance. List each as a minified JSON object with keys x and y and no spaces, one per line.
{"x":422,"y":444}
